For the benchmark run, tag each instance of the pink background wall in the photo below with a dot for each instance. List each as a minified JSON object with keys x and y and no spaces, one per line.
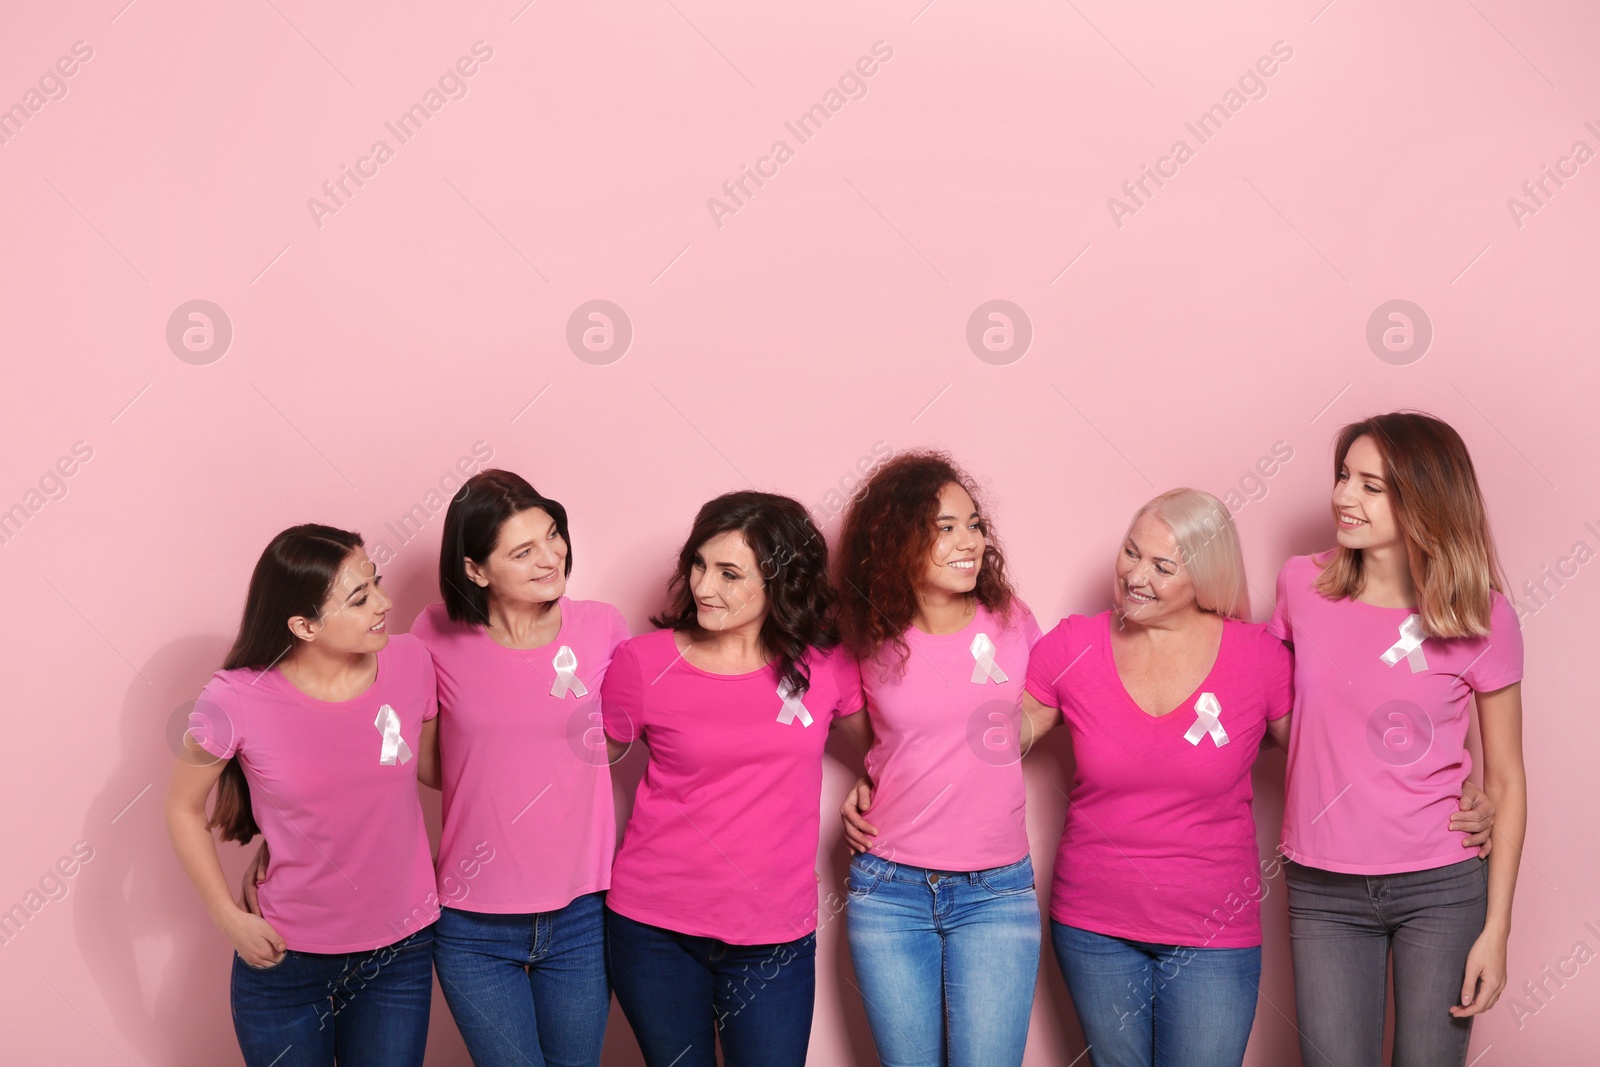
{"x":1175,"y":340}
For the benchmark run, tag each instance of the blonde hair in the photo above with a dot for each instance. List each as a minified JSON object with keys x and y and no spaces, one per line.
{"x":1208,"y":543}
{"x":1433,"y":490}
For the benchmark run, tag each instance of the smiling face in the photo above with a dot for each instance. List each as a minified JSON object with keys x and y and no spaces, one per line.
{"x":1151,"y":581}
{"x":352,"y":620}
{"x":528,"y":563}
{"x":957,"y":553}
{"x":725,"y":579}
{"x":1362,"y":505}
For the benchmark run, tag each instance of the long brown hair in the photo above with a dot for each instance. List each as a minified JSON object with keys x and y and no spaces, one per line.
{"x":1433,"y":490}
{"x":793,"y":561}
{"x":293,"y":577}
{"x":884,"y":544}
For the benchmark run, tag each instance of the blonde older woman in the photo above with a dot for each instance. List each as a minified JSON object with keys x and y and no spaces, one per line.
{"x":1168,"y":696}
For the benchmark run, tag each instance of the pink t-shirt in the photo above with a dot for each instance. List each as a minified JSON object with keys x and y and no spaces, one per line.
{"x":723,"y":838}
{"x":523,"y":761}
{"x":1160,"y":843}
{"x":333,"y":785}
{"x":945,"y":764}
{"x":1377,"y":751}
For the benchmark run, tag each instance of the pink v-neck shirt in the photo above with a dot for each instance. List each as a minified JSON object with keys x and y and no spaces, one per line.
{"x":333,"y":785}
{"x":523,"y":761}
{"x":1159,"y":843}
{"x":1377,"y":749}
{"x":947,"y":779}
{"x":722,"y":841}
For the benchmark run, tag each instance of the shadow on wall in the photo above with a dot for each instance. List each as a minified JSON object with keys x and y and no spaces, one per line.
{"x":160,"y":963}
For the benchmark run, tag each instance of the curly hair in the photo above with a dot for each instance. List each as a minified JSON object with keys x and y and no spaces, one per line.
{"x":793,"y":561}
{"x":884,"y":547}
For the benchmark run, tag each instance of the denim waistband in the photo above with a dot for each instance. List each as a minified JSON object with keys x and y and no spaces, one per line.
{"x":890,"y":871}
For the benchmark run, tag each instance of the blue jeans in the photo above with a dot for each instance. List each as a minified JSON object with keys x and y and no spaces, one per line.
{"x":1343,"y":929}
{"x":680,"y":993}
{"x":1149,"y":1005}
{"x":527,"y":990}
{"x":359,"y":1009}
{"x":947,"y":961}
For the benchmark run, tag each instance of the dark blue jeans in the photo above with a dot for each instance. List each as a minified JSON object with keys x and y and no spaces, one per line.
{"x":356,"y":1009}
{"x":680,"y":993}
{"x":527,"y":990}
{"x":1150,"y":1005}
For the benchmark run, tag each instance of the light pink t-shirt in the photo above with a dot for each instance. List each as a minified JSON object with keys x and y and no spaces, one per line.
{"x":723,"y":838}
{"x":1160,"y":843}
{"x":523,"y":761}
{"x":349,"y":867}
{"x":945,"y":764}
{"x":1377,"y":750}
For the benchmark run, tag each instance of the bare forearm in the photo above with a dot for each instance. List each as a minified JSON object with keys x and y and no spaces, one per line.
{"x":197,"y":852}
{"x":1510,"y":827}
{"x":1037,"y":720}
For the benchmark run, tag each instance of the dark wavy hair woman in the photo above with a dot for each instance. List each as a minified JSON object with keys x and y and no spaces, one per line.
{"x":712,"y":914}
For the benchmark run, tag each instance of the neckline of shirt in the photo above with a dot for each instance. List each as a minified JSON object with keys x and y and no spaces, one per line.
{"x":1229,"y":626}
{"x":554,"y":643}
{"x":292,"y":690}
{"x":684,"y":659}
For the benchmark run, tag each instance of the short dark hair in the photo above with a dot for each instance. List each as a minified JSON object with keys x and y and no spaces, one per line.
{"x":793,"y":561}
{"x":472,"y":528}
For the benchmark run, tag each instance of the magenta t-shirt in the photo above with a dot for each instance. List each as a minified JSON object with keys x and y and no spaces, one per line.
{"x":1377,"y":749}
{"x":723,"y":838}
{"x":948,"y":792}
{"x":333,"y":785}
{"x":1160,"y":843}
{"x":523,"y":761}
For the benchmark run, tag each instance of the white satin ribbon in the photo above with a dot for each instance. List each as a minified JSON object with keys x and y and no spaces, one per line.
{"x":792,"y":707}
{"x":986,"y":668}
{"x":1409,"y":647}
{"x":567,"y":680}
{"x":394,"y":746}
{"x":1207,"y":720}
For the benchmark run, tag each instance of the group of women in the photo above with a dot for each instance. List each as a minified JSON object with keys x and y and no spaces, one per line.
{"x":514,"y":700}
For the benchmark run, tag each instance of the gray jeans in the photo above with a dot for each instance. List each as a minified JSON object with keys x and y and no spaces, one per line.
{"x":1342,"y":928}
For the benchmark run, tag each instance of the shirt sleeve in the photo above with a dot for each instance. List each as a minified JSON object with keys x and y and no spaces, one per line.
{"x":1031,"y":633}
{"x":214,"y":722}
{"x":1046,"y":663}
{"x":619,"y":631}
{"x":430,"y":682}
{"x":622,"y":695}
{"x":1276,"y":676}
{"x":1500,"y":663}
{"x":852,"y":697}
{"x":1279,"y":626}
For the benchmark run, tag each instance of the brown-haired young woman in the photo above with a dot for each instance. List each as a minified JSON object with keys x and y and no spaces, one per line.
{"x":314,"y":727}
{"x":1396,"y":630}
{"x":943,"y":918}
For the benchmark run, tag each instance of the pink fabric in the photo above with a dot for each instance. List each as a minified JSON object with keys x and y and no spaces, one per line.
{"x":524,"y":771}
{"x":948,"y":790}
{"x":1159,"y":843}
{"x":350,"y":868}
{"x":1377,"y":753}
{"x":723,"y":837}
